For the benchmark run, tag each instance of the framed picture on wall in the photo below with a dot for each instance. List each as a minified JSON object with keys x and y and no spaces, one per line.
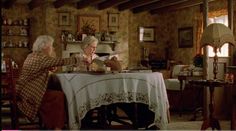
{"x":146,"y":34}
{"x":64,"y":19}
{"x":113,"y":19}
{"x":113,"y":22}
{"x":88,"y":23}
{"x":185,"y":37}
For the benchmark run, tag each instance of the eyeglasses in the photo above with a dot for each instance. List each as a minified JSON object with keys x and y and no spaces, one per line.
{"x":94,"y":47}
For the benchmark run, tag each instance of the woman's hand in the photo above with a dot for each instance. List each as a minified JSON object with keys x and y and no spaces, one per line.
{"x":87,"y":60}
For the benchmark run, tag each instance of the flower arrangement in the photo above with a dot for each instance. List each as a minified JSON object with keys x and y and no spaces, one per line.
{"x":88,"y":28}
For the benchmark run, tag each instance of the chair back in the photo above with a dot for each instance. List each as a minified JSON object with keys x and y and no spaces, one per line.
{"x":176,"y":70}
{"x":9,"y":78}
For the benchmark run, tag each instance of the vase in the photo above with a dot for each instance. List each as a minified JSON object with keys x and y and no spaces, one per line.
{"x":9,"y":21}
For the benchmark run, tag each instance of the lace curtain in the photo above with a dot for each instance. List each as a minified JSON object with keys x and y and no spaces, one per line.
{"x":199,"y":31}
{"x":199,"y":26}
{"x":217,"y":13}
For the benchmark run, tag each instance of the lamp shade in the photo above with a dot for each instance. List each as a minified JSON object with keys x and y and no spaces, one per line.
{"x":216,"y":35}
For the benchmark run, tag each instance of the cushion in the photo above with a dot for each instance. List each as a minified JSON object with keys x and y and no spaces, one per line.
{"x":173,"y":84}
{"x":176,"y":70}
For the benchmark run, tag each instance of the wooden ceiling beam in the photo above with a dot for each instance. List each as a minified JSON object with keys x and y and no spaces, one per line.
{"x":85,"y":3}
{"x":8,"y":3}
{"x":186,"y":4}
{"x":60,"y":3}
{"x":110,"y":3}
{"x":35,"y":3}
{"x":158,"y":4}
{"x":134,"y":3}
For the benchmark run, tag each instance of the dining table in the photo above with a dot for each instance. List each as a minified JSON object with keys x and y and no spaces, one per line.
{"x":85,"y":91}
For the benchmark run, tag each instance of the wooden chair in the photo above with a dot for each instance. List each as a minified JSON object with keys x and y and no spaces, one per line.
{"x":9,"y":98}
{"x":173,"y":82}
{"x":8,"y":80}
{"x":176,"y":87}
{"x":133,"y":116}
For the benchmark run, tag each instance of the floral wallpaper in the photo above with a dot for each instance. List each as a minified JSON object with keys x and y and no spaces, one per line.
{"x":55,"y":30}
{"x":44,"y":20}
{"x":166,"y":26}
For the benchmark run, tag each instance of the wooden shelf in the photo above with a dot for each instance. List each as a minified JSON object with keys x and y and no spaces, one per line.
{"x":16,"y":35}
{"x":100,"y":42}
{"x":111,"y":43}
{"x":231,"y":67}
{"x":26,"y":26}
{"x":16,"y":47}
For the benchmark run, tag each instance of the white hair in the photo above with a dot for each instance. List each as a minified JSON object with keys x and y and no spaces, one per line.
{"x":88,"y":40}
{"x":41,"y":42}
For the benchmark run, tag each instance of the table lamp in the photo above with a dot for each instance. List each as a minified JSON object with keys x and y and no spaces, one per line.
{"x":216,"y":35}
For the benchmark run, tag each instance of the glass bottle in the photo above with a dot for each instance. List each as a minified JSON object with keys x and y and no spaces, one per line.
{"x":3,"y":64}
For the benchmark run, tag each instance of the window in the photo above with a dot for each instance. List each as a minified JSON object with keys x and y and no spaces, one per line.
{"x":224,"y":51}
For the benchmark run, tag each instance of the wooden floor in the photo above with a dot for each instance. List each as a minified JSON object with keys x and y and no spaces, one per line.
{"x":176,"y":123}
{"x":115,"y":124}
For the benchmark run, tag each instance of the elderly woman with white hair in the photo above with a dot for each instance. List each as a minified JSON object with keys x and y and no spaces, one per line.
{"x":88,"y":46}
{"x":32,"y":89}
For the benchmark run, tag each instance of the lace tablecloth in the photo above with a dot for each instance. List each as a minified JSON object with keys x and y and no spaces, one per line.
{"x":87,"y":91}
